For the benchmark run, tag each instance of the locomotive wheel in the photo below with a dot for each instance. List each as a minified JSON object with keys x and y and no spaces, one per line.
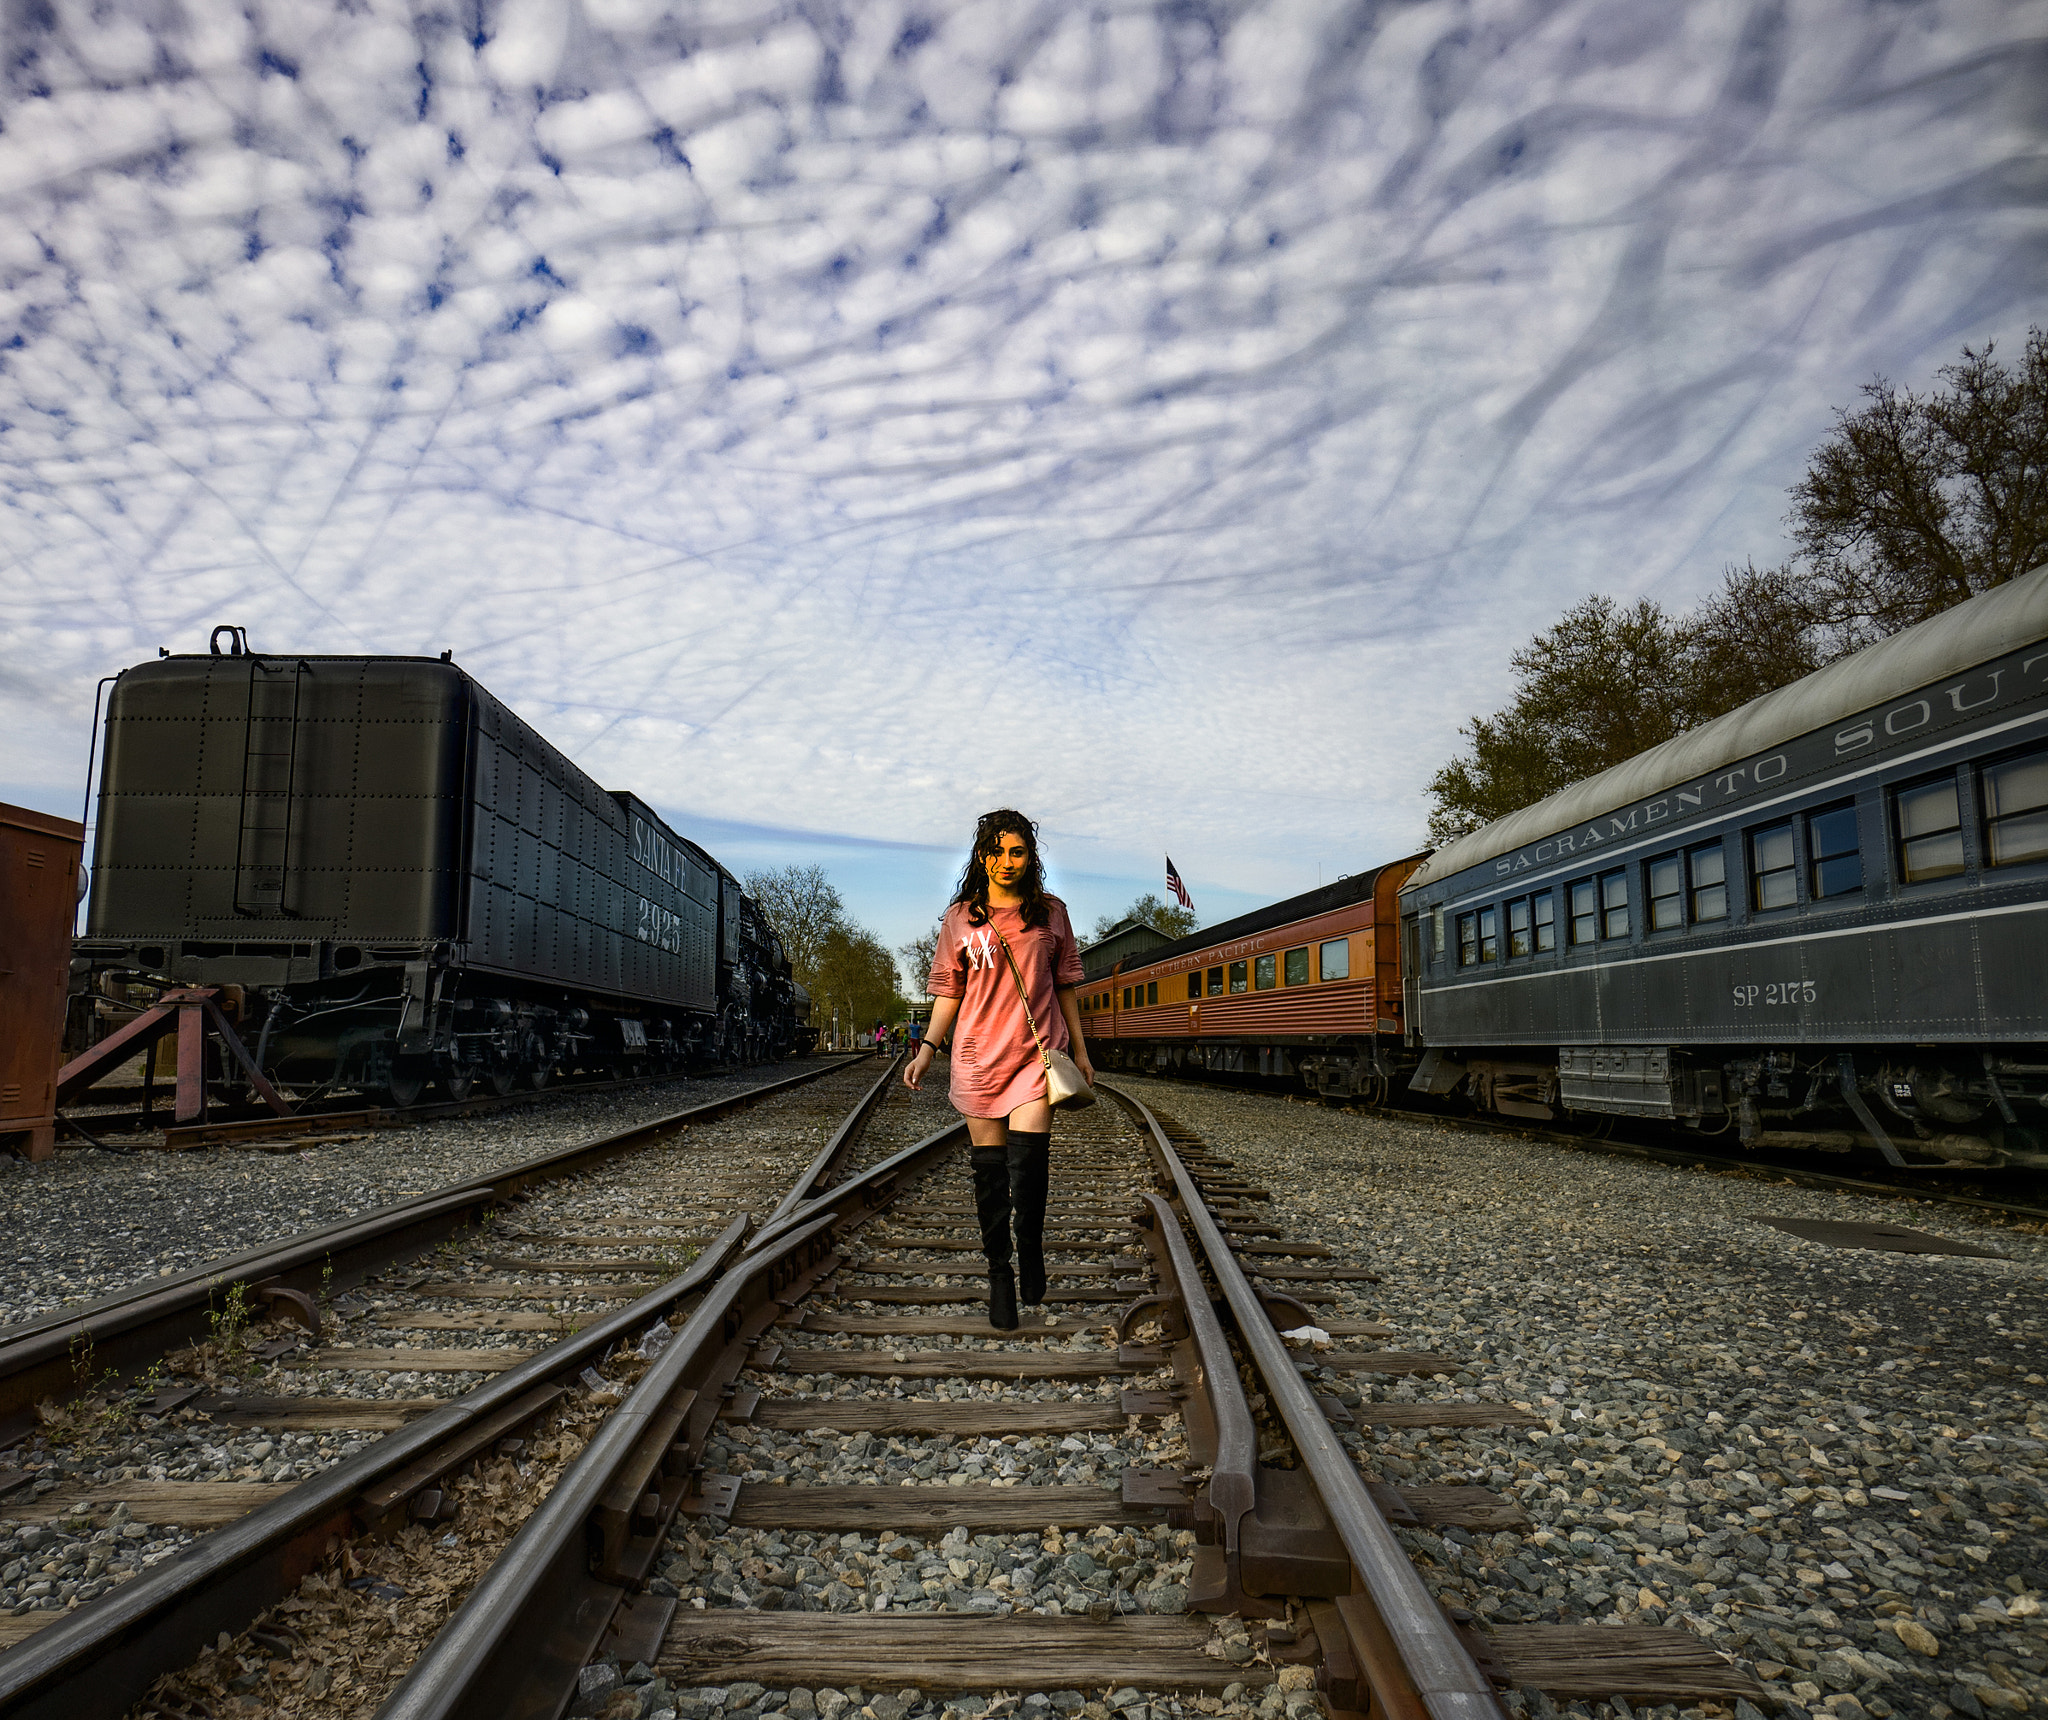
{"x":501,"y":1078}
{"x":407,"y":1081}
{"x":455,"y":1084}
{"x":537,"y":1077}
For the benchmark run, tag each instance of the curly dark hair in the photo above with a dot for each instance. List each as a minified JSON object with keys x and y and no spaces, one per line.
{"x":989,"y":830}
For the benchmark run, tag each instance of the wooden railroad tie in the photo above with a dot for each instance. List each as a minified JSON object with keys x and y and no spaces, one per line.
{"x":945,"y":1651}
{"x":477,"y":1361}
{"x":508,"y":1290}
{"x":978,"y":1507}
{"x":959,"y":1364}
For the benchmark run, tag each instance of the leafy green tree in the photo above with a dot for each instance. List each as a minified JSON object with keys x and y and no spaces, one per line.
{"x":857,"y":977}
{"x":1167,"y":917}
{"x":1602,"y":684}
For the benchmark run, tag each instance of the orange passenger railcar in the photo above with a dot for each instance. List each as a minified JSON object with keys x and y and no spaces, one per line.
{"x":1307,"y":989}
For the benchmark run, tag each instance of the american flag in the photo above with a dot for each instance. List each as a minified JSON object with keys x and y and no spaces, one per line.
{"x":1179,"y":889}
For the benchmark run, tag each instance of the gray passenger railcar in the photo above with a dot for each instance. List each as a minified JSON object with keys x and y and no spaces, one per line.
{"x":399,"y":880}
{"x":1820,"y":920}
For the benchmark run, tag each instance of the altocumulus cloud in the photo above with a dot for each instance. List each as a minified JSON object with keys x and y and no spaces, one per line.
{"x":769,"y":398}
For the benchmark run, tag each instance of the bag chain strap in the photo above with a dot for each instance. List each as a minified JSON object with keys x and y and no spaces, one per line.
{"x":1023,"y":996}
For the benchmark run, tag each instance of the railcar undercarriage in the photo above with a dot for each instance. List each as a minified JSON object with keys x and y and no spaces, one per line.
{"x":1933,"y":1107}
{"x":394,"y":1027}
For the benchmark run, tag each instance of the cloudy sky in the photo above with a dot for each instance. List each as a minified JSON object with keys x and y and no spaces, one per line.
{"x":832,"y":419}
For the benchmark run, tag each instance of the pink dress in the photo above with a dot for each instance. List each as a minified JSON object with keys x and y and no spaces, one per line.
{"x":995,"y":1063}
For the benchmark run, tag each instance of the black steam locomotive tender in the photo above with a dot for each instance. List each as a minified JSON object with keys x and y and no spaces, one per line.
{"x":397,"y":881}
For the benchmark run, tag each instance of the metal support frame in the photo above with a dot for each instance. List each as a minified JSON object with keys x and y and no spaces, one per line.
{"x":1845,"y":1066}
{"x":191,"y":1013}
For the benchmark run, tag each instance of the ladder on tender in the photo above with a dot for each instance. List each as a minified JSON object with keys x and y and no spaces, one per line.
{"x":270,"y":759}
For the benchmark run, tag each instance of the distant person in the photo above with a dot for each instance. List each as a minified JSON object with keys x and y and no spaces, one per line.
{"x":979,"y":1019}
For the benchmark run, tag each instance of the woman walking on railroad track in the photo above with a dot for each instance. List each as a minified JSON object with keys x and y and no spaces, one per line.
{"x":983,"y":1014}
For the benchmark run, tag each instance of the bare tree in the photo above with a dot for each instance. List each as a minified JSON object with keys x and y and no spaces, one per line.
{"x":917,"y":956}
{"x":1911,"y":505}
{"x":804,"y":907}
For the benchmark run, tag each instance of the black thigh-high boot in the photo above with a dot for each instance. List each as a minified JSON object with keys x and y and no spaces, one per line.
{"x":992,"y":1208}
{"x":1030,"y":1175}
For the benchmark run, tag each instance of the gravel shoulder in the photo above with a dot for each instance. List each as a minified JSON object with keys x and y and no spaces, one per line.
{"x":1830,"y":1463}
{"x":86,"y":1223}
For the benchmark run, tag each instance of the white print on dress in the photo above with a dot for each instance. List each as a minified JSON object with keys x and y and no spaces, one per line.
{"x":980,"y":949}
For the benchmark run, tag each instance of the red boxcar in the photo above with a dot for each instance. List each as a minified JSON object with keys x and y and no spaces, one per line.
{"x":1307,"y":989}
{"x":38,"y":897}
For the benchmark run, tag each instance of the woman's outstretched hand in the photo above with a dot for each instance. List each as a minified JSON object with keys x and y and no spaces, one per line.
{"x":1081,"y":1063}
{"x":913,"y":1071}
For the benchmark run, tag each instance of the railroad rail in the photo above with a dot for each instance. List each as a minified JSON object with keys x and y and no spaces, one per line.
{"x":1286,"y":1533}
{"x":104,"y":1656}
{"x":246,"y":1124}
{"x":1677,"y":1152}
{"x":131,"y":1329}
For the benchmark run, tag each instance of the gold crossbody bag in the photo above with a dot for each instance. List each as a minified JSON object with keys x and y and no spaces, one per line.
{"x":1064,"y":1088}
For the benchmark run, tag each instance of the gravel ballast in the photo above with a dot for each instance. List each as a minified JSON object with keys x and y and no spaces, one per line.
{"x":667,"y":1199}
{"x":87,"y":1223}
{"x":1830,"y":1463}
{"x":1095,"y":1573}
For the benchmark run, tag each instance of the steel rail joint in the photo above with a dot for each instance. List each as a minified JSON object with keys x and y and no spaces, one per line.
{"x":513,"y":1650}
{"x":1440,"y":1671}
{"x":1233,"y":1483}
{"x":102,"y":1659}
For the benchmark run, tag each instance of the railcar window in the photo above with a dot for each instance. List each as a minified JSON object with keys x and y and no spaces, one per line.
{"x":1297,"y":966}
{"x":1585,"y":912}
{"x":1436,"y":919}
{"x":1216,"y":982}
{"x":1667,"y":893}
{"x":2016,"y":809}
{"x":1708,"y":865}
{"x":1518,"y":926}
{"x":1489,"y":934}
{"x":1773,"y":874}
{"x":1834,"y":855}
{"x":1930,"y":831}
{"x":1238,"y":977}
{"x":1195,"y":983}
{"x":1152,"y":991}
{"x":1127,"y":997}
{"x":1468,"y":940}
{"x":1544,"y":908}
{"x":1614,"y":905}
{"x":1262,"y":973}
{"x":1336,"y":959}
